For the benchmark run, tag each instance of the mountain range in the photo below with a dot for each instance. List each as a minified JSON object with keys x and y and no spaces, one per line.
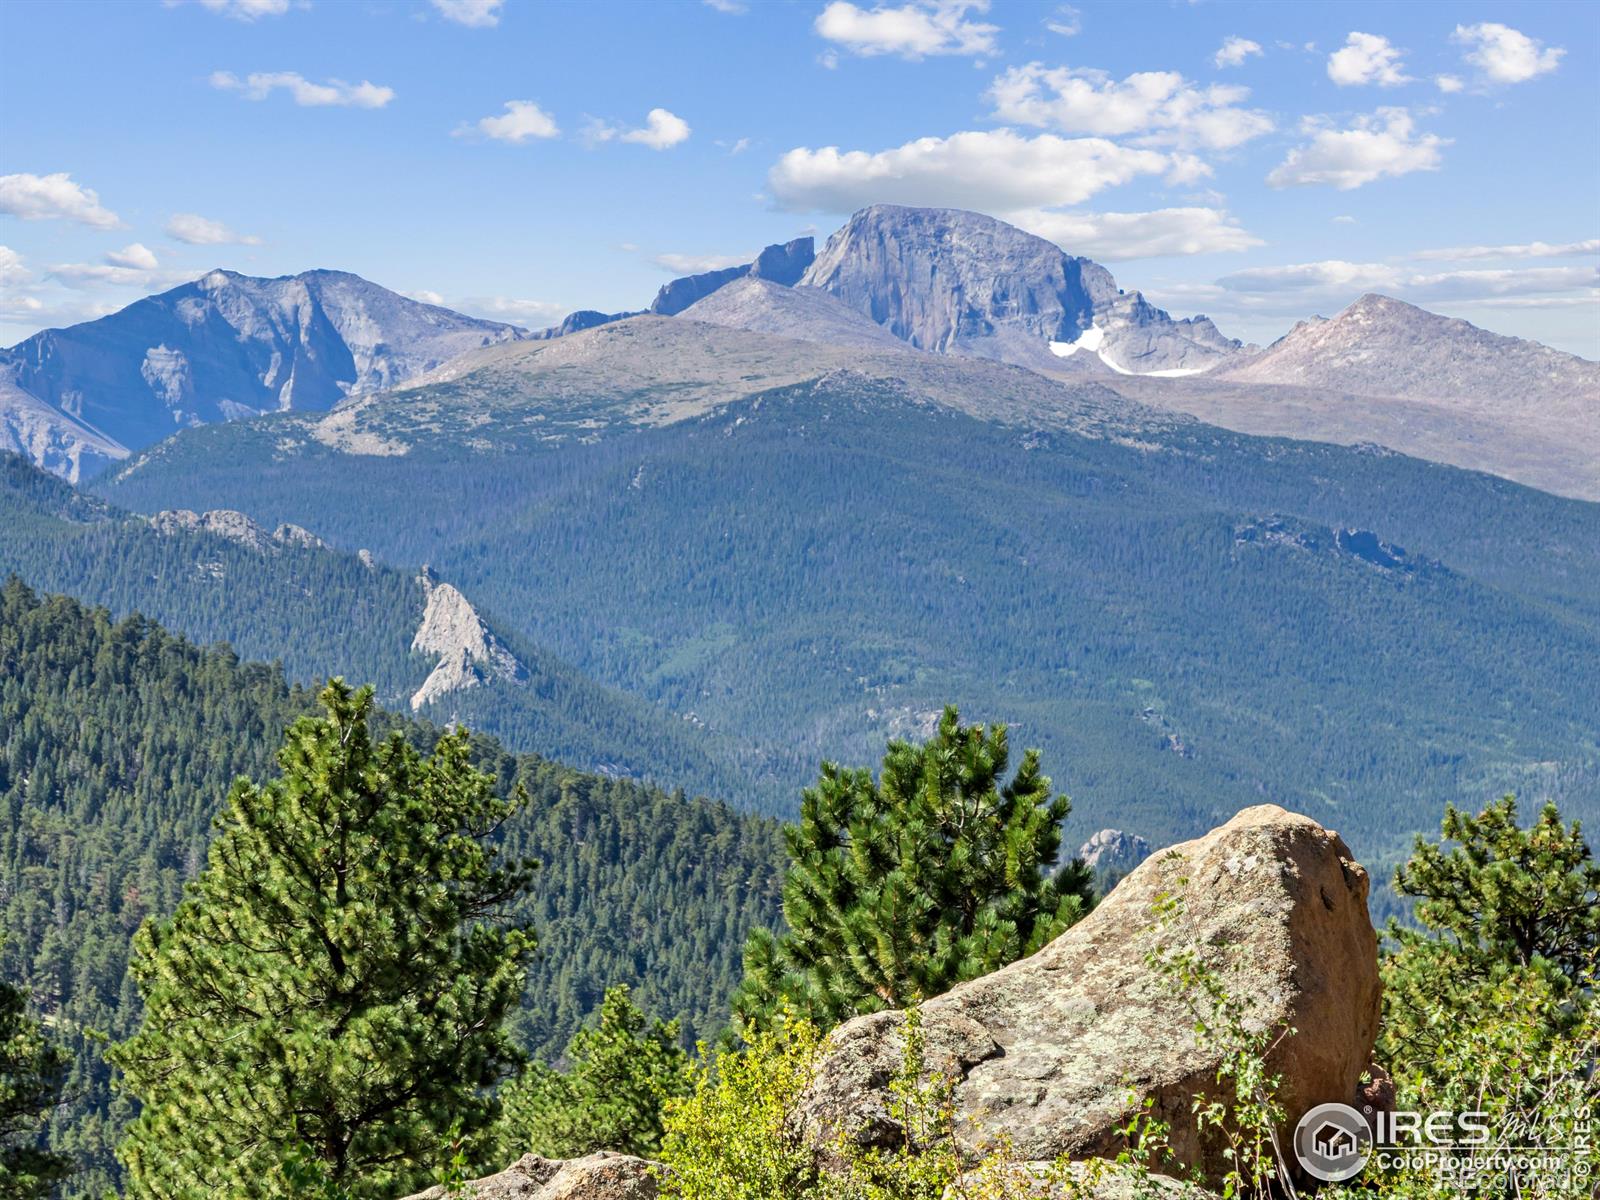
{"x":937,"y":281}
{"x":223,"y":347}
{"x":795,"y":506}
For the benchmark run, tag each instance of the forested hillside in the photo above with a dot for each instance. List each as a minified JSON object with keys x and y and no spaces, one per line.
{"x":320,"y":612}
{"x":1186,"y":620}
{"x":117,"y":744}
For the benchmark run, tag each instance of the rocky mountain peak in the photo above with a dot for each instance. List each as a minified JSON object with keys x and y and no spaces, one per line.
{"x":957,"y":282}
{"x":222,"y":347}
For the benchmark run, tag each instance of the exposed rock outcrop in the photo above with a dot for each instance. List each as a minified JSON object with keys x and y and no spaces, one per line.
{"x":236,"y":527}
{"x":782,"y":264}
{"x":1046,"y":1051}
{"x":1112,"y":849}
{"x":223,"y":522}
{"x":602,"y":1176}
{"x":468,"y":653}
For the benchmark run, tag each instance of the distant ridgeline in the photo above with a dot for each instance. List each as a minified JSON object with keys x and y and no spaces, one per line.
{"x":280,"y":594}
{"x":118,"y":742}
{"x":1184,"y":619}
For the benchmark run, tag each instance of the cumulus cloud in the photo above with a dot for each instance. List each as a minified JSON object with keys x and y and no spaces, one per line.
{"x":1161,"y":105}
{"x":12,"y":269}
{"x":1367,"y":58}
{"x":475,"y":14}
{"x":661,"y":131}
{"x":1505,"y":55}
{"x":1448,"y":84}
{"x":993,"y":171}
{"x":522,"y":121}
{"x":194,"y":230}
{"x":911,"y":31}
{"x":135,"y":255}
{"x":47,"y":197}
{"x":132,"y":266}
{"x":258,"y":85}
{"x":1384,"y":144}
{"x":1234,"y":51}
{"x":1117,"y":237}
{"x":1523,"y":250}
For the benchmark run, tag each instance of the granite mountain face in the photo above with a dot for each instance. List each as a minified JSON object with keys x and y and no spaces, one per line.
{"x":223,"y":347}
{"x":925,"y":282}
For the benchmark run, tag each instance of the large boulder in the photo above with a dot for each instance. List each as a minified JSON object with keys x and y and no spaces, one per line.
{"x":602,"y":1176}
{"x":1045,"y":1054}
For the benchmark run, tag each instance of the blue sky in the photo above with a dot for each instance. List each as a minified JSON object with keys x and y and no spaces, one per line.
{"x":519,"y":159}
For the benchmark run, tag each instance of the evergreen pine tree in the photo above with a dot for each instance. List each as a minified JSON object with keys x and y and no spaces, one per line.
{"x":325,"y":1006}
{"x":618,"y":1075}
{"x":31,"y":1072}
{"x":899,"y":889}
{"x":1504,"y":912}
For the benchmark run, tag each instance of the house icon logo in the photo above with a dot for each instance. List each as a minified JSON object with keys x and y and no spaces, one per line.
{"x":1332,"y":1142}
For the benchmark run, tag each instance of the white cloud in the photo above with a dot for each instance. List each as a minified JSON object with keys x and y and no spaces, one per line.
{"x":534,"y":314}
{"x":194,"y":230}
{"x":258,"y":85}
{"x":1117,"y":237}
{"x":911,"y":31}
{"x":1066,"y":20}
{"x":1345,"y":220}
{"x":1524,"y":250}
{"x":1448,"y":84}
{"x":523,"y":120}
{"x":1234,"y":51}
{"x":475,"y":14}
{"x":247,"y":10}
{"x":1385,"y":143}
{"x":1503,"y":54}
{"x":994,"y":171}
{"x":661,"y":130}
{"x":1336,"y":282}
{"x":697,"y":264}
{"x":1367,"y":58}
{"x":12,"y":270}
{"x":427,"y":297}
{"x":1299,"y":277}
{"x":45,"y":197}
{"x":136,"y":256}
{"x":1162,"y":105}
{"x":732,"y":7}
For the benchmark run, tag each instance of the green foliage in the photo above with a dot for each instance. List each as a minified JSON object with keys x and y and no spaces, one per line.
{"x":732,"y":1138}
{"x":320,"y":612}
{"x":118,"y":743}
{"x":336,"y":979}
{"x":1504,"y":894}
{"x":609,"y":1093}
{"x":900,"y":888}
{"x":1182,"y":621}
{"x":32,"y":1069}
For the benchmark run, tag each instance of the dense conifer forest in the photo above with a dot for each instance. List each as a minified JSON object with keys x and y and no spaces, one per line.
{"x":119,"y":743}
